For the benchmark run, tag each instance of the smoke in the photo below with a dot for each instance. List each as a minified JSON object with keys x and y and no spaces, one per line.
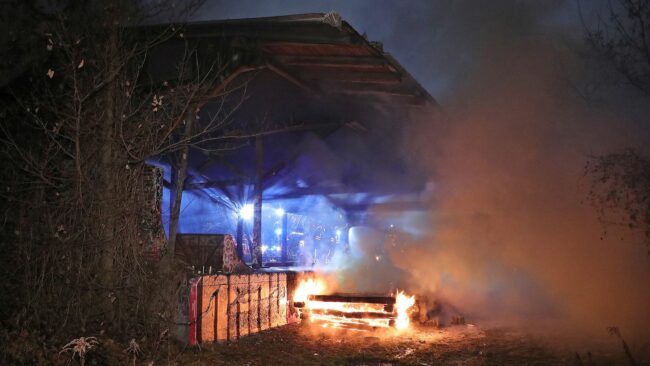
{"x":512,"y":237}
{"x":508,"y":235}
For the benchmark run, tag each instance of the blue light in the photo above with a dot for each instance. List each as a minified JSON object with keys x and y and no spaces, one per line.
{"x":264,"y":248}
{"x":278,"y":231}
{"x":279,"y":212}
{"x":338,"y":232}
{"x":247,"y":211}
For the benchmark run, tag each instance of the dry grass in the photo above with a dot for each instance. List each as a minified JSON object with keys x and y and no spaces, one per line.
{"x":305,"y":345}
{"x":461,"y":345}
{"x":80,"y":347}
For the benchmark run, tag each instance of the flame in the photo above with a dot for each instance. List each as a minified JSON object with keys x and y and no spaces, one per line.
{"x":348,"y":315}
{"x":402,"y":304}
{"x":308,"y":287}
{"x":328,"y":313}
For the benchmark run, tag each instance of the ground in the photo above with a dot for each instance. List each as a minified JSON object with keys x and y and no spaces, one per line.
{"x":302,"y":344}
{"x":458,"y":345}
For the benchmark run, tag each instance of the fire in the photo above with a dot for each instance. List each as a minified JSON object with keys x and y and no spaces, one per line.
{"x":403,"y":303}
{"x":350,"y":311}
{"x":308,"y":287}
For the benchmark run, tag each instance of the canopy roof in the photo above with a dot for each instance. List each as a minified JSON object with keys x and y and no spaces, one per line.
{"x":317,"y":52}
{"x":329,"y":103}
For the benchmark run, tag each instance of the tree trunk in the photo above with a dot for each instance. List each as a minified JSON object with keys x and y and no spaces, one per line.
{"x":179,"y":184}
{"x":104,"y":195}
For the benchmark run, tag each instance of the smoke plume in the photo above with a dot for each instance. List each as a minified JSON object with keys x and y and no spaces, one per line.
{"x":513,"y":237}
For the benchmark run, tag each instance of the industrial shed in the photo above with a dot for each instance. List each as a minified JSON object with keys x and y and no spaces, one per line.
{"x":312,"y":117}
{"x":319,"y":114}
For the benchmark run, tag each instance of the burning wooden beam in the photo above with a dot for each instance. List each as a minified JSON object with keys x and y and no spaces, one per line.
{"x":353,"y":311}
{"x":348,"y":326}
{"x":355,"y":314}
{"x":386,"y":300}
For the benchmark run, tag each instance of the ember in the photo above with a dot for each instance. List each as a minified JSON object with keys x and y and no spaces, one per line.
{"x":348,"y":311}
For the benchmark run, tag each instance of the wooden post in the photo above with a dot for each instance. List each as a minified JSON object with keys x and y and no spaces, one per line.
{"x":285,"y":227}
{"x":240,"y":237}
{"x":257,"y":219}
{"x":179,"y":183}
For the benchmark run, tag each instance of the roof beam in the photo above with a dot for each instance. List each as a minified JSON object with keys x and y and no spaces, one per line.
{"x":287,"y":75}
{"x":360,"y":62}
{"x":221,"y":184}
{"x":378,"y":90}
{"x":318,"y":49}
{"x":311,"y":191}
{"x":221,"y":89}
{"x":403,"y":98}
{"x":352,"y":76}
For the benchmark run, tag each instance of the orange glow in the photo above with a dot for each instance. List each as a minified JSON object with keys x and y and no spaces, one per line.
{"x":308,"y":287}
{"x":350,"y":314}
{"x":402,"y":304}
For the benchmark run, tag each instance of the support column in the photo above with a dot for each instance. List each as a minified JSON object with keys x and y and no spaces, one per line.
{"x":240,"y":237}
{"x":257,"y":219}
{"x":285,"y":234}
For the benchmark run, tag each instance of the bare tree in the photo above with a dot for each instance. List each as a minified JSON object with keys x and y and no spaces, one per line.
{"x":78,"y":123}
{"x":622,"y":35}
{"x":620,"y":181}
{"x":620,"y":190}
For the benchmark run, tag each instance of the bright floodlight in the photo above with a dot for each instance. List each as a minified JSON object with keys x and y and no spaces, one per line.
{"x":246,"y":212}
{"x":279,"y":212}
{"x":278,"y":231}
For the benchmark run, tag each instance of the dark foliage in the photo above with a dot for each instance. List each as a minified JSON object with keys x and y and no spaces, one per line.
{"x":622,"y":35}
{"x":620,"y":189}
{"x":78,"y":118}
